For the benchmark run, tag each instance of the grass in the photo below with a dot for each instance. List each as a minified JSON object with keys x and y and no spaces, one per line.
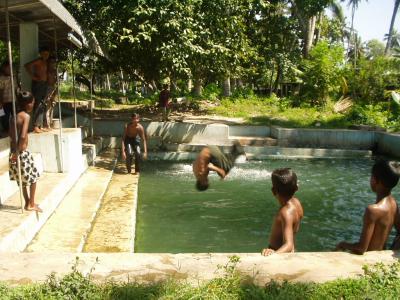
{"x":378,"y":282}
{"x":256,"y":110}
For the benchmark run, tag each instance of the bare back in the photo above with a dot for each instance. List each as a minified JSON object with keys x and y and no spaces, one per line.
{"x":200,"y":165}
{"x":288,"y":215}
{"x":382,"y":216}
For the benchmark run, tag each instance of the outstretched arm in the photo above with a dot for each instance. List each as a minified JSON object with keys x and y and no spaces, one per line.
{"x":368,"y":229}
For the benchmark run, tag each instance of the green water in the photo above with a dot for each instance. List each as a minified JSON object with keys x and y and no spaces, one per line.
{"x":235,"y":215}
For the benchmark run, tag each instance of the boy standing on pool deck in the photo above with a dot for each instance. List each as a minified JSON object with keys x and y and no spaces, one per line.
{"x":287,"y":220}
{"x":211,"y":158}
{"x":380,"y":217}
{"x":18,"y":146}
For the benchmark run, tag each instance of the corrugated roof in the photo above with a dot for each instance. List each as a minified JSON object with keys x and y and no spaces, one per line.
{"x":48,"y":14}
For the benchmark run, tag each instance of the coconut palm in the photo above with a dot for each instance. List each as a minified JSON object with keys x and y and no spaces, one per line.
{"x":354,"y":5}
{"x":395,"y":39}
{"x":390,"y":34}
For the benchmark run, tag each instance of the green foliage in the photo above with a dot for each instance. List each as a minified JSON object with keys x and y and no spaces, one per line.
{"x":323,"y":72}
{"x":211,"y":92}
{"x":378,"y":282}
{"x":369,"y":81}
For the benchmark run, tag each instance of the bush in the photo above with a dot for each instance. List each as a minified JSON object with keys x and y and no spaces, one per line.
{"x":211,"y":92}
{"x":323,"y":72}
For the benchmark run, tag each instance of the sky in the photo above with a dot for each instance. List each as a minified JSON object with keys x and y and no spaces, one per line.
{"x":372,"y":18}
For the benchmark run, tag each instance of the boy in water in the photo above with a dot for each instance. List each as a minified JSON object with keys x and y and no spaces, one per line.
{"x":211,"y":158}
{"x":133,"y":134}
{"x":287,"y":220}
{"x":380,"y":217}
{"x":18,"y":146}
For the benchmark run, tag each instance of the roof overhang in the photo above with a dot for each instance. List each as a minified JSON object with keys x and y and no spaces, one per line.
{"x":50,"y":15}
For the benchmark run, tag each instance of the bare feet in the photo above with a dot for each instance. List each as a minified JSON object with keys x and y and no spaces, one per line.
{"x":37,"y":130}
{"x":34,"y":208}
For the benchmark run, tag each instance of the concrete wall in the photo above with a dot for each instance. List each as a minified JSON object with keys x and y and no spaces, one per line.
{"x":47,"y":144}
{"x":180,"y":132}
{"x":245,"y":130}
{"x":324,"y":138}
{"x":389,"y":144}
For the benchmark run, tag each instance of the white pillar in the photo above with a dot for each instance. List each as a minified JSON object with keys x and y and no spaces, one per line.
{"x":29,"y":49}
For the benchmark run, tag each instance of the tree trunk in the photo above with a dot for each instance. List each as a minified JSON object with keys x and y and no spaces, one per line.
{"x":108,"y":82}
{"x":278,"y":78}
{"x":389,"y":40}
{"x":309,"y":36}
{"x":197,"y":87}
{"x":233,"y":84}
{"x":226,"y":87}
{"x":318,"y":29}
{"x":240,"y":83}
{"x":123,"y":83}
{"x":189,"y":85}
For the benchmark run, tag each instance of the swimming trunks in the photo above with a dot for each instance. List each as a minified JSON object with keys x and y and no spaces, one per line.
{"x":29,"y":171}
{"x":223,"y":160}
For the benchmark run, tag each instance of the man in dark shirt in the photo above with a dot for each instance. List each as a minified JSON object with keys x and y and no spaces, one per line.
{"x":164,"y":100}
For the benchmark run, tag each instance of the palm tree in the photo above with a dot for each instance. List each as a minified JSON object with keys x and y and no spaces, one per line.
{"x":389,"y":38}
{"x":395,"y":39}
{"x":354,"y":6}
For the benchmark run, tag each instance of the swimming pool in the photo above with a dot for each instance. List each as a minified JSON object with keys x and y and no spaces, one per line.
{"x":235,"y":215}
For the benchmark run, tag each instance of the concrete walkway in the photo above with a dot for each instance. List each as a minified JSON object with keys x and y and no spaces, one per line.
{"x":113,"y":228}
{"x":77,"y":211}
{"x":192,"y":268}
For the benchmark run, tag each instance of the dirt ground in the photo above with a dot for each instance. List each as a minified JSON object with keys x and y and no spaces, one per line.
{"x":178,"y":113}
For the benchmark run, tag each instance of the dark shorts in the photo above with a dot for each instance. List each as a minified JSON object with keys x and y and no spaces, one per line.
{"x":132,"y":146}
{"x":223,"y":160}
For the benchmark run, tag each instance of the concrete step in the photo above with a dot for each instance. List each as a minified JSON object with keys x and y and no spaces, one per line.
{"x":17,"y":229}
{"x":77,"y":211}
{"x":4,"y":147}
{"x":193,"y":147}
{"x":254,"y":141}
{"x":114,"y":225}
{"x":253,"y":152}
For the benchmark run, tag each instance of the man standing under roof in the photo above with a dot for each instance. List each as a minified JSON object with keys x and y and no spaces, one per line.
{"x":37,"y":70}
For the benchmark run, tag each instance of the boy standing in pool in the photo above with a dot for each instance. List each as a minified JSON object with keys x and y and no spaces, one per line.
{"x":379,"y":217}
{"x":287,"y":220}
{"x":211,"y":158}
{"x":133,"y":134}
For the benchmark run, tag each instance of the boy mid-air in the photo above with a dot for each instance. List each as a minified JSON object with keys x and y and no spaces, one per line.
{"x":379,"y":217}
{"x":212,"y":158}
{"x":287,"y":220}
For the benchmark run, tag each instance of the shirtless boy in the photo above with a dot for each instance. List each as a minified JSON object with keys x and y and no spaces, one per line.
{"x":211,"y":158}
{"x":37,"y":70}
{"x":19,"y":144}
{"x":379,"y":217}
{"x":287,"y":220}
{"x":133,"y":134}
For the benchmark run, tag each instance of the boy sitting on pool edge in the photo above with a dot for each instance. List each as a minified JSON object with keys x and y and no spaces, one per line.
{"x":212,"y":158}
{"x":379,"y":217}
{"x":287,"y":220}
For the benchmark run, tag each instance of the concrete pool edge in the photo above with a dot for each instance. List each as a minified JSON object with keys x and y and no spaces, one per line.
{"x":192,"y":268}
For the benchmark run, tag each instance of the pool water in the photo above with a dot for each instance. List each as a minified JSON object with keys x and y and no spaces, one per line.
{"x":236,"y":214}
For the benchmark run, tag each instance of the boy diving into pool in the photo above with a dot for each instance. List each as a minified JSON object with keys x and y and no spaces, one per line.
{"x":287,"y":220}
{"x":379,"y":217}
{"x":212,"y":158}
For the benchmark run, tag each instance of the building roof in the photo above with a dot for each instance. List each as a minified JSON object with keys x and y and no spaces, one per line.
{"x":48,"y":14}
